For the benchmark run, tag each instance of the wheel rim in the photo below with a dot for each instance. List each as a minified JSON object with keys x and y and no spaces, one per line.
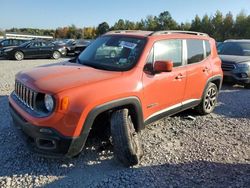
{"x":210,"y":99}
{"x":19,"y":56}
{"x":56,"y":55}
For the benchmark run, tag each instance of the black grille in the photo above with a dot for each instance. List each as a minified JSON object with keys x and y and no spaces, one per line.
{"x":228,"y":66}
{"x":26,"y":95}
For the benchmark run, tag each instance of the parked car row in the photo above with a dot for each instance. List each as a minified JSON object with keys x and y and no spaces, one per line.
{"x":73,"y":47}
{"x":37,"y":48}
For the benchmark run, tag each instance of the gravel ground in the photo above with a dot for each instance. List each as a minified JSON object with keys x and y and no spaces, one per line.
{"x":209,"y":151}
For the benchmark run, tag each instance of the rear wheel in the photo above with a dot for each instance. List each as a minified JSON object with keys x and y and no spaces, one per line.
{"x":56,"y":55}
{"x":209,"y":100}
{"x":127,"y":146}
{"x":19,"y":56}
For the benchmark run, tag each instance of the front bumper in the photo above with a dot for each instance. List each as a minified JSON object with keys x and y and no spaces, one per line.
{"x":238,"y":76}
{"x":47,"y":141}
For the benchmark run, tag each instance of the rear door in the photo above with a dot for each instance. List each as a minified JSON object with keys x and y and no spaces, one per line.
{"x":198,"y":69}
{"x":45,"y":49}
{"x":32,"y":50}
{"x":164,"y":92}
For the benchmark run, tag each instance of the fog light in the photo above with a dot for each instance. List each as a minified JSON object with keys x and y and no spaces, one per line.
{"x":244,"y":75}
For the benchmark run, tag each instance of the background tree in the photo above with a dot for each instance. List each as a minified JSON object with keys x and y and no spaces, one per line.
{"x":240,"y":27}
{"x":151,"y":23}
{"x":184,"y":26}
{"x":227,"y":27}
{"x":90,"y":32}
{"x":196,"y":24}
{"x":218,"y":26}
{"x":120,"y":25}
{"x":206,"y":25}
{"x":217,"y":22}
{"x":166,"y":22}
{"x":102,"y":28}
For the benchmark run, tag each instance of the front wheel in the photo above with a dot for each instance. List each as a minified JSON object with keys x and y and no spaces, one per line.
{"x":19,"y":56}
{"x":247,"y":86}
{"x":209,"y":100}
{"x":127,"y":145}
{"x":56,"y":55}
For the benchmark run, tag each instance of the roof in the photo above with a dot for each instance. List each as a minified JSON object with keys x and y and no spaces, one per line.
{"x":130,"y":32}
{"x":154,"y":33}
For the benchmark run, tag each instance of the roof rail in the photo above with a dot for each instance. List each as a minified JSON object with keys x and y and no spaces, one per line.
{"x":129,"y":31}
{"x":177,"y":32}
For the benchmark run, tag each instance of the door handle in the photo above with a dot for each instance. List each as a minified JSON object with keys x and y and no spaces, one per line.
{"x":180,"y":76}
{"x":206,"y":69}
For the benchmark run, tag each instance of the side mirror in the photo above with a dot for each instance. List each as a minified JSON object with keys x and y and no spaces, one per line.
{"x":163,"y":66}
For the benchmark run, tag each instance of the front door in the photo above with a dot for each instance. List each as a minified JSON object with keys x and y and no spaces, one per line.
{"x":164,"y":92}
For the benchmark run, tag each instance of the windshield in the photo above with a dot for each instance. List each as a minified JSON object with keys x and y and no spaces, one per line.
{"x":115,"y":53}
{"x":234,"y":48}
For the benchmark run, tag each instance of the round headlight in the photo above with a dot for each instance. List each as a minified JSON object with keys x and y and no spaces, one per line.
{"x":49,"y":102}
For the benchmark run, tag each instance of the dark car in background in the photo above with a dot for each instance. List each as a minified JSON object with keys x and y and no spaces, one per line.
{"x":80,"y":46}
{"x":73,"y":47}
{"x":35,"y":49}
{"x":7,"y":43}
{"x":235,"y":57}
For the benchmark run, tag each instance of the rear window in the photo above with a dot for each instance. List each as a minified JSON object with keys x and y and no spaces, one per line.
{"x":195,"y":51}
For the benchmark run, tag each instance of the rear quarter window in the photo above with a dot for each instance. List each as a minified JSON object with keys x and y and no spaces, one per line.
{"x":195,"y":51}
{"x":208,"y":48}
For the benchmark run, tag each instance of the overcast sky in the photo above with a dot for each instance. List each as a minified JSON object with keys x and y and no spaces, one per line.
{"x":58,"y":13}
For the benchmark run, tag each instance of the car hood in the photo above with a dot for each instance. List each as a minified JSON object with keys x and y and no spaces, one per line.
{"x":63,"y":76}
{"x":234,"y":59}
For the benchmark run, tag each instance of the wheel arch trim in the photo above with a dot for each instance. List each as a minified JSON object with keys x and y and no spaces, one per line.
{"x":115,"y":104}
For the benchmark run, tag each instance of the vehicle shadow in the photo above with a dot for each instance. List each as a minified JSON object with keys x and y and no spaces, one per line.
{"x":192,"y":174}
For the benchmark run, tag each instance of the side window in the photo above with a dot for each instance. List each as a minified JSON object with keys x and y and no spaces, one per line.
{"x":5,"y":43}
{"x":16,"y":42}
{"x":195,"y":51}
{"x":42,"y":44}
{"x":169,"y":50}
{"x":11,"y":42}
{"x":208,"y":48}
{"x":33,"y":44}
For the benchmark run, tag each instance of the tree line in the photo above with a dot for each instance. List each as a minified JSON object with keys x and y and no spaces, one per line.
{"x":219,"y":26}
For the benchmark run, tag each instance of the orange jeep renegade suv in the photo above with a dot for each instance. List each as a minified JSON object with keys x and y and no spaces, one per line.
{"x":124,"y":80}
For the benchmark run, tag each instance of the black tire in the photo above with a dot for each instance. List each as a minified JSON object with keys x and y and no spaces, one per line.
{"x":56,"y":55}
{"x":19,"y":56}
{"x":247,"y":86}
{"x":127,"y":145}
{"x":209,"y":100}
